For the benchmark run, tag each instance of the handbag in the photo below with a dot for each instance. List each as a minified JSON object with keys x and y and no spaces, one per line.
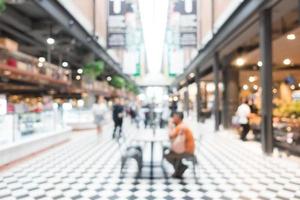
{"x":235,"y":120}
{"x":178,"y":145}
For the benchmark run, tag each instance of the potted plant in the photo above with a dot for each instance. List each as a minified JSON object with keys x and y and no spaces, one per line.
{"x":92,"y":70}
{"x":117,"y":82}
{"x":132,"y":88}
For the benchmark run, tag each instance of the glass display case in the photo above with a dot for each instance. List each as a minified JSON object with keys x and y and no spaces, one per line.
{"x":7,"y":124}
{"x":25,"y":125}
{"x":78,"y":116}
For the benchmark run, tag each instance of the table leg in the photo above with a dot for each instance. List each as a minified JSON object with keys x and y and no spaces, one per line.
{"x":151,"y":159}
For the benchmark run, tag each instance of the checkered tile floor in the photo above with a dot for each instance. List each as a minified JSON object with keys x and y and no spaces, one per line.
{"x":89,"y":168}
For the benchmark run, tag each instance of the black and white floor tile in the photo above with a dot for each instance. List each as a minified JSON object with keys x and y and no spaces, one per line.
{"x":89,"y":168}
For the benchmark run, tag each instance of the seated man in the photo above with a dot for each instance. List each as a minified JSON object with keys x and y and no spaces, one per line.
{"x":175,"y":158}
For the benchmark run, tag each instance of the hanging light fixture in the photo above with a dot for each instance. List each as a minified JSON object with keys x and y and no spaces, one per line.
{"x":260,"y":63}
{"x":79,"y":71}
{"x":287,"y":61}
{"x":65,"y":64}
{"x":245,"y":87}
{"x":240,"y":62}
{"x":50,"y":40}
{"x":42,"y":59}
{"x":291,"y":37}
{"x":78,"y":77}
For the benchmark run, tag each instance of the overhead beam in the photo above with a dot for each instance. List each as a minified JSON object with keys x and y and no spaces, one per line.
{"x":64,"y":18}
{"x":11,"y":16}
{"x":242,"y":14}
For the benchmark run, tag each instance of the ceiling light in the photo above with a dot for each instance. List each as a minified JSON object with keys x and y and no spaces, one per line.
{"x":240,"y":62}
{"x":255,"y":87}
{"x":245,"y":87}
{"x":274,"y":90}
{"x":65,"y":64}
{"x":287,"y":61}
{"x":175,"y":98}
{"x":79,"y":71}
{"x":291,"y":37}
{"x":42,"y":59}
{"x":259,"y":63}
{"x":252,"y":79}
{"x":50,"y":41}
{"x":108,"y":78}
{"x":293,"y":87}
{"x":78,"y":77}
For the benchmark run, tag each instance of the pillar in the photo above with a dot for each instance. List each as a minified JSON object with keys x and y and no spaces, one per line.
{"x":198,"y":96}
{"x":186,"y":101}
{"x":266,"y":80}
{"x":230,"y":94}
{"x":216,"y":68}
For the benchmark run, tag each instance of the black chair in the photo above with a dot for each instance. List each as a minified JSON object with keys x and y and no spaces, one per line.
{"x":129,"y":151}
{"x":193,"y":160}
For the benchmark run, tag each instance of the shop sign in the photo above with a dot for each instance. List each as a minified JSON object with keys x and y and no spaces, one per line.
{"x":3,"y":104}
{"x":187,"y":22}
{"x":116,"y":26}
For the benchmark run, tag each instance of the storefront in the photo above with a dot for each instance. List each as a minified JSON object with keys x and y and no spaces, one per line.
{"x":257,"y":53}
{"x":285,"y":89}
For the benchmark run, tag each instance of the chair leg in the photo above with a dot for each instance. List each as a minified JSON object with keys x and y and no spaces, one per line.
{"x":194,"y":170}
{"x":123,"y":162}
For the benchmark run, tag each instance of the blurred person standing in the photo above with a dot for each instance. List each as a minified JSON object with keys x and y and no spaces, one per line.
{"x":99,"y":110}
{"x":165,"y":116}
{"x":243,"y":113}
{"x":117,"y":115}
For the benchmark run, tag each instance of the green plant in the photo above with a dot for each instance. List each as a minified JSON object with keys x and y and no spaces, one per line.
{"x":132,"y":88}
{"x":2,"y":5}
{"x":117,"y":82}
{"x":93,"y":69}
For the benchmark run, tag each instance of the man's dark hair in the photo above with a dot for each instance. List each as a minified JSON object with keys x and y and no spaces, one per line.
{"x":179,"y":114}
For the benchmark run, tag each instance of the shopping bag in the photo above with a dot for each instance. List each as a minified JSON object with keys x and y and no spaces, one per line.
{"x":178,"y":144}
{"x":235,"y":120}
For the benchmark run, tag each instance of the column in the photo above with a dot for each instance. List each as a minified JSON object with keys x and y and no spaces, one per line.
{"x":186,"y":101}
{"x":266,"y":80}
{"x":216,"y":68}
{"x":198,"y":96}
{"x":230,"y":94}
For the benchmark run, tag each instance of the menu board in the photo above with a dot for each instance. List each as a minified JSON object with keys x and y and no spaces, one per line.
{"x":116,"y":26}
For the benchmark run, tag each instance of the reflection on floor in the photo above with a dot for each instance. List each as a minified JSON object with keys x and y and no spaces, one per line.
{"x":88,"y":168}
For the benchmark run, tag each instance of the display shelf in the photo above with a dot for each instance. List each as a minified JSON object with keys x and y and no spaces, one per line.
{"x":17,"y":74}
{"x":97,"y":88}
{"x":24,"y":67}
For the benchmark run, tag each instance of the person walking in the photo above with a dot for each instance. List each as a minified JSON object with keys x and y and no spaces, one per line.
{"x":118,"y":114}
{"x":182,"y":144}
{"x":243,"y":112}
{"x":99,"y":110}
